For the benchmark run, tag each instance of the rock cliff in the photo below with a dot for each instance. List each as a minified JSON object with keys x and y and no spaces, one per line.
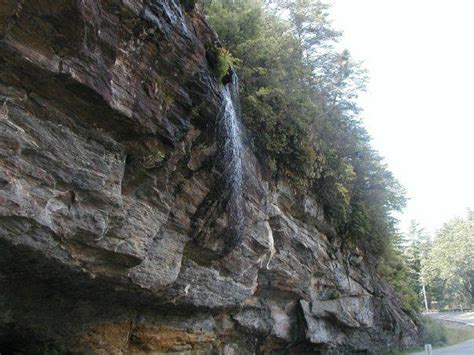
{"x":113,"y":225}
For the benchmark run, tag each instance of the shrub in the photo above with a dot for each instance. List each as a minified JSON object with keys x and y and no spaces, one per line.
{"x":221,"y":61}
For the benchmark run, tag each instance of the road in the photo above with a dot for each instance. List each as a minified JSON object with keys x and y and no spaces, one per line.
{"x":465,"y":348}
{"x":459,"y":317}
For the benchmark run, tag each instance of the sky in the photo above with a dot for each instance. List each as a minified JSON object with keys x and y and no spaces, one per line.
{"x":419,"y":107}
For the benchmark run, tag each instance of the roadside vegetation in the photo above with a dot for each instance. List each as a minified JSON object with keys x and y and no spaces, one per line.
{"x":441,"y":334}
{"x":436,"y":333}
{"x":459,"y":335}
{"x":438,"y":274}
{"x":441,"y":268}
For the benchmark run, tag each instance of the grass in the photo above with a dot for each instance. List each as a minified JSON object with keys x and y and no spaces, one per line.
{"x":440,"y":334}
{"x":436,"y":332}
{"x":459,"y":334}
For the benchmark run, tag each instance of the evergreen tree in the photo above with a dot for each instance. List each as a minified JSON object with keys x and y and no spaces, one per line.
{"x":416,"y":249}
{"x":299,"y":106}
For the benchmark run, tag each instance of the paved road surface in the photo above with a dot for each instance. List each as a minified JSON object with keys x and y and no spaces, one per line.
{"x":466,"y":348}
{"x":460,"y":317}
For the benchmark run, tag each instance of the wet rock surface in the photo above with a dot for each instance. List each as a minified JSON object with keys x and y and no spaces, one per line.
{"x":112,"y":203}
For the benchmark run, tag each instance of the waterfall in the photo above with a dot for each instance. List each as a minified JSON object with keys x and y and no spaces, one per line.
{"x":232,"y":157}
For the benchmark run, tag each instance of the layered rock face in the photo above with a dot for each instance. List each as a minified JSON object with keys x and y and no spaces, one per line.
{"x":114,"y":236}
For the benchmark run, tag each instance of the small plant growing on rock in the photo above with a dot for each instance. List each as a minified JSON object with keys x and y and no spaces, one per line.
{"x":153,"y":159}
{"x":221,"y":61}
{"x":4,"y":111}
{"x":159,"y":88}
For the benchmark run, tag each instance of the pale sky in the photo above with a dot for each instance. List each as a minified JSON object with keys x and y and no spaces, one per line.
{"x":419,"y":107}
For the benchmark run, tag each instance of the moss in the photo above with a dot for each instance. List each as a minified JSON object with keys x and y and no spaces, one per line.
{"x":153,"y":159}
{"x":164,"y":92}
{"x":4,"y":111}
{"x":334,"y":294}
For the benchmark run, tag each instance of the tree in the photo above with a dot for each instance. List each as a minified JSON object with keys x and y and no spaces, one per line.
{"x":298,"y":94}
{"x":396,"y":271}
{"x":416,"y":249}
{"x":450,"y":263}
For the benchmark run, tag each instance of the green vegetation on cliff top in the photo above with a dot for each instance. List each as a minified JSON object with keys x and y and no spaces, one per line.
{"x":298,"y":95}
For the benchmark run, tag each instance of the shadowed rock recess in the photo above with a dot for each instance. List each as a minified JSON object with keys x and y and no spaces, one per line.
{"x":113,"y":224}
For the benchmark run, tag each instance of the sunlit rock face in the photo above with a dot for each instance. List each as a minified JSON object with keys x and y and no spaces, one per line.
{"x":114,"y":202}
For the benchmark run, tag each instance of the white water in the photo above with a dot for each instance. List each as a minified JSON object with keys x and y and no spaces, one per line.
{"x":232,"y":154}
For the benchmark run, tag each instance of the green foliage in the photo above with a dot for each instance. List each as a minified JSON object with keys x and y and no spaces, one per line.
{"x":449,"y":266}
{"x":393,"y":268}
{"x":222,"y":61}
{"x":298,"y":97}
{"x":415,"y":248}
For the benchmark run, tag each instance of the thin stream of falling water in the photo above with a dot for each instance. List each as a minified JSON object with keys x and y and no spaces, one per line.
{"x":233,"y":150}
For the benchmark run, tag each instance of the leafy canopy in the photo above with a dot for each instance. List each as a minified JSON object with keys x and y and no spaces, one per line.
{"x":298,"y":95}
{"x":450,"y":263}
